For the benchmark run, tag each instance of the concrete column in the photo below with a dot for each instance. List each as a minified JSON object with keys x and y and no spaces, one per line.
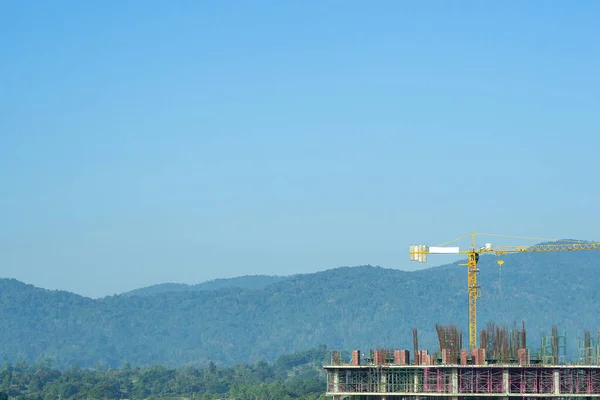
{"x":336,"y":381}
{"x":506,"y":381}
{"x":416,"y":384}
{"x":383,"y":382}
{"x":556,"y":382}
{"x":454,"y":380}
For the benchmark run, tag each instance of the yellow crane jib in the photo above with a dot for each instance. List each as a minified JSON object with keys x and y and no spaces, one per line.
{"x":420,"y":252}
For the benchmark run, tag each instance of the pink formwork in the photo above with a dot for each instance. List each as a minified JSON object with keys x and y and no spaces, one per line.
{"x":437,"y":380}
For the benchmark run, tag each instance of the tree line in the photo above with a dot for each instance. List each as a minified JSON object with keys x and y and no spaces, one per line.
{"x":297,"y":376}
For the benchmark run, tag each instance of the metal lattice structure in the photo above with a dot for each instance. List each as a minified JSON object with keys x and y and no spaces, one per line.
{"x":391,"y":382}
{"x":553,"y":350}
{"x":589,"y":349}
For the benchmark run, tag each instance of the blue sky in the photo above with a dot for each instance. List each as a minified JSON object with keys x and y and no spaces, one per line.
{"x":152,"y":141}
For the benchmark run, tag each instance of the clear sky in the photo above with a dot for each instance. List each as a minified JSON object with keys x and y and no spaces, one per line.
{"x":179,"y":141}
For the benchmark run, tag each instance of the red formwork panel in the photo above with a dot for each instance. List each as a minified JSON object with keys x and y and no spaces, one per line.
{"x":379,"y":357}
{"x":401,"y":357}
{"x":423,"y":357}
{"x":523,"y":356}
{"x":355,"y":357}
{"x":447,"y":357}
{"x":463,"y":357}
{"x":478,"y":356}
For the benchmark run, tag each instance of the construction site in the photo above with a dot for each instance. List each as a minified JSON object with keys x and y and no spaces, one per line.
{"x":497,"y":361}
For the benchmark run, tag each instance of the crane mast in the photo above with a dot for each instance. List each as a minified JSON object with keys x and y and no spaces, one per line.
{"x":419,"y":253}
{"x":473,"y":296}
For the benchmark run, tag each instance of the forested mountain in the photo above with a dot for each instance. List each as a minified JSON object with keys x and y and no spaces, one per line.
{"x":358,"y":307}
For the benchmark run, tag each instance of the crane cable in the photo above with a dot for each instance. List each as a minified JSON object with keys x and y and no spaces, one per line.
{"x":500,"y":262}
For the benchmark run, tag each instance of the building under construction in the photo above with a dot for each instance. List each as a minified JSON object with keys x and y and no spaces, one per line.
{"x":503,"y":367}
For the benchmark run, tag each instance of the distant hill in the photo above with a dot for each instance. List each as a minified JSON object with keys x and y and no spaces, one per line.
{"x":344,"y":308}
{"x":160,"y":288}
{"x":242,"y":282}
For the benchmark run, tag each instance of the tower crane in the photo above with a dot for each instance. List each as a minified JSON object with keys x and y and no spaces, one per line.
{"x":419,"y":253}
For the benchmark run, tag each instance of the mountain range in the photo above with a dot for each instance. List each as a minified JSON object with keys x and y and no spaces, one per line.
{"x":246,"y":319}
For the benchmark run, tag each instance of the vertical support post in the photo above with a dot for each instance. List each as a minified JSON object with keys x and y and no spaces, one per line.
{"x":336,"y":380}
{"x":454,"y":380}
{"x":556,"y":382}
{"x":383,"y":382}
{"x":416,"y":383}
{"x":505,"y":382}
{"x":473,"y":291}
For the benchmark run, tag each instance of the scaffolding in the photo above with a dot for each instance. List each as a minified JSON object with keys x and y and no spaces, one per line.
{"x":388,"y":381}
{"x":481,"y":380}
{"x":532,"y":380}
{"x":588,"y":349}
{"x":579,"y":381}
{"x":554,"y":348}
{"x":339,"y":357}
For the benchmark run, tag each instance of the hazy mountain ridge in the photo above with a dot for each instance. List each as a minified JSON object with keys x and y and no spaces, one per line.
{"x":346,"y":308}
{"x":242,"y":282}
